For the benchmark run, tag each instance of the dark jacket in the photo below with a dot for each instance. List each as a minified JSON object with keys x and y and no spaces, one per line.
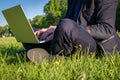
{"x":97,"y":15}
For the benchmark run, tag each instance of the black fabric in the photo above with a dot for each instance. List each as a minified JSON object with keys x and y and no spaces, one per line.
{"x":96,"y":15}
{"x":45,"y":46}
{"x":99,"y":15}
{"x":69,"y":34}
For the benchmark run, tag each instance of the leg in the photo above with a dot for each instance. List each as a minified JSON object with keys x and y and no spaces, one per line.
{"x":68,"y":34}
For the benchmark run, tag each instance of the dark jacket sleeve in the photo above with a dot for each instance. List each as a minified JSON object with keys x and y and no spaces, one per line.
{"x":70,"y":8}
{"x":105,"y":11}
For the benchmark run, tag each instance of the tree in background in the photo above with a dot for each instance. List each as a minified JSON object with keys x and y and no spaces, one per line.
{"x":5,"y":31}
{"x":37,"y":21}
{"x":54,"y":11}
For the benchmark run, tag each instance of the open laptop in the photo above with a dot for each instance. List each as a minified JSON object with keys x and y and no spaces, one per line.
{"x":20,"y":25}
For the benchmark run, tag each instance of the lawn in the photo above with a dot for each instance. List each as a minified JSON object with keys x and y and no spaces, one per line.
{"x":87,"y":67}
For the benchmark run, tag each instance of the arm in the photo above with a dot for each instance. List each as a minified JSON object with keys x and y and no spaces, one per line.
{"x":105,"y":11}
{"x":45,"y":33}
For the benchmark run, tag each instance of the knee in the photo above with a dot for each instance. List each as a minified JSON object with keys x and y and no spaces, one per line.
{"x":66,"y":25}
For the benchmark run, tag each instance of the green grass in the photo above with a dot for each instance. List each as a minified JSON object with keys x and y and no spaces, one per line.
{"x":87,"y":67}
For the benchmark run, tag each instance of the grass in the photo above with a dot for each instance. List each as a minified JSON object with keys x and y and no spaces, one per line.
{"x":87,"y":67}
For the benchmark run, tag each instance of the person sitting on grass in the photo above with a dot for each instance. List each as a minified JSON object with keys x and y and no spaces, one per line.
{"x":89,"y":23}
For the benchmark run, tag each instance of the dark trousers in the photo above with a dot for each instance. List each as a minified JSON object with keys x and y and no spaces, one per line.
{"x":67,"y":35}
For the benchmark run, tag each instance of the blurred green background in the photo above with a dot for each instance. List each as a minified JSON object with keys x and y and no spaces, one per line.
{"x":54,"y":11}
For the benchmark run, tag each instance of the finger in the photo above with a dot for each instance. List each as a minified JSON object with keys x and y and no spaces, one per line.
{"x":39,"y":32}
{"x":44,"y":29}
{"x":36,"y":33}
{"x":52,"y":26}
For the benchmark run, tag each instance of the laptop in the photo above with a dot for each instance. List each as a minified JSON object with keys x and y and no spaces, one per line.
{"x":20,"y":26}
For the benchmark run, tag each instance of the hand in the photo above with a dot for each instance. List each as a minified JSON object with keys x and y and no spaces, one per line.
{"x":45,"y":33}
{"x":48,"y":34}
{"x":39,"y":32}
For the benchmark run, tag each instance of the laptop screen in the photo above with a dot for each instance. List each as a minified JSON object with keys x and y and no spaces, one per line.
{"x":19,"y":25}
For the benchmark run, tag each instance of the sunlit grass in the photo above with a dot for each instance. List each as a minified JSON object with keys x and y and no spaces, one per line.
{"x":87,"y":67}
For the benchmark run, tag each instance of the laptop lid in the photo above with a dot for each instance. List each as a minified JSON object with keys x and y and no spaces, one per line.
{"x":19,"y":25}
